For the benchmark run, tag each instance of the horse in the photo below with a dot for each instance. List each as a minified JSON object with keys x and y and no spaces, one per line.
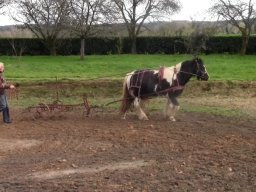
{"x":141,"y":85}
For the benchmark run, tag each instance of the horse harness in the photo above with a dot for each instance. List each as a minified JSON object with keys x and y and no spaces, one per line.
{"x":137,"y":83}
{"x":175,"y":86}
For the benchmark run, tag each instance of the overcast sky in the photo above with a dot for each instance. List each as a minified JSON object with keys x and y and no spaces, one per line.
{"x":191,"y":10}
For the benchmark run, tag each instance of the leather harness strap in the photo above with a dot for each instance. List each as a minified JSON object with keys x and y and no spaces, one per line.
{"x":161,"y":73}
{"x":137,"y":84}
{"x":175,"y":82}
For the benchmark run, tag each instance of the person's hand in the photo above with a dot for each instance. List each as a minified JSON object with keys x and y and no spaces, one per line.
{"x":12,"y":87}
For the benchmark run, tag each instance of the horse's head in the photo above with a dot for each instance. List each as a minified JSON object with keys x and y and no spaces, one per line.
{"x":200,"y":70}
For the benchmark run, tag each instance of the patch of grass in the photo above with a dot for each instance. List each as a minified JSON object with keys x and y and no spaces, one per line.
{"x":231,"y":67}
{"x":47,"y":68}
{"x":100,"y":78}
{"x":70,"y":67}
{"x":215,"y":110}
{"x":159,"y":103}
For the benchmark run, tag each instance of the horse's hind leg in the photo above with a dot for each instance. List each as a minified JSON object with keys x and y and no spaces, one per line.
{"x":140,"y":113}
{"x":172,"y":107}
{"x":124,"y":115}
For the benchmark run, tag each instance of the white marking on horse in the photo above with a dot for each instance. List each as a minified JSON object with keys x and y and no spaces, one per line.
{"x":170,"y":74}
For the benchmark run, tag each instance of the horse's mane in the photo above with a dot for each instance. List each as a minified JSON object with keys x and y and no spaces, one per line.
{"x":197,"y":59}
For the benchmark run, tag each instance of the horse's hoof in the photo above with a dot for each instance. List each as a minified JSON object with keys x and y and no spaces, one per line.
{"x":144,"y":118}
{"x":172,"y":119}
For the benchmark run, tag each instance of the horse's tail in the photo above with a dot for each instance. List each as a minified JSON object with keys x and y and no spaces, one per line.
{"x":126,"y":98}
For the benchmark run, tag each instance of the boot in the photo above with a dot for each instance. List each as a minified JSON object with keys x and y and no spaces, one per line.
{"x":6,"y":115}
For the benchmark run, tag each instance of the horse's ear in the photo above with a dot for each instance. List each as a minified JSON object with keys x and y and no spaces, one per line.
{"x":195,"y":57}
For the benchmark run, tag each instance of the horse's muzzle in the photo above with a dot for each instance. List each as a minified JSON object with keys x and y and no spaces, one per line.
{"x":203,"y":77}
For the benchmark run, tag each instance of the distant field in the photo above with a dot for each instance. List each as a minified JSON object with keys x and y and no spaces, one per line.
{"x":34,"y":68}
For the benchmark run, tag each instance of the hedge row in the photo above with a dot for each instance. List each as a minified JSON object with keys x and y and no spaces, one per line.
{"x":150,"y":45}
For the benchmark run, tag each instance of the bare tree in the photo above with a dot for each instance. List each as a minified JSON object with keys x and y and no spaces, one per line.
{"x":86,"y":14}
{"x":238,"y":13}
{"x":46,"y":19}
{"x":2,"y":3}
{"x":135,"y":12}
{"x":195,"y":41}
{"x":18,"y":44}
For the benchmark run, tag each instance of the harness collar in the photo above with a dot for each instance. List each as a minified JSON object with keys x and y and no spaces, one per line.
{"x":175,"y":86}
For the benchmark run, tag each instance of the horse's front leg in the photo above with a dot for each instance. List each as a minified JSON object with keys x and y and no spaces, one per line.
{"x":140,"y":113}
{"x":172,"y":106}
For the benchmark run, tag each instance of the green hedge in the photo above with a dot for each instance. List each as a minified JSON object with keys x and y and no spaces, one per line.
{"x":150,"y":45}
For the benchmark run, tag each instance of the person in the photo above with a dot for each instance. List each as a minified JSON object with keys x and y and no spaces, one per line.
{"x":3,"y":99}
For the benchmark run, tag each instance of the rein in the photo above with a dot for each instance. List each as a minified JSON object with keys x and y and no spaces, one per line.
{"x":118,"y":74}
{"x":160,"y":76}
{"x":193,"y":74}
{"x":174,"y":88}
{"x":149,"y":96}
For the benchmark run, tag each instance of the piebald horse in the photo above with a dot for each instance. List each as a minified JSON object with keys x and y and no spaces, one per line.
{"x":170,"y":81}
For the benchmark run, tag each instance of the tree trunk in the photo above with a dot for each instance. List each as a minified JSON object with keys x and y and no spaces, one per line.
{"x":51,"y":46}
{"x":53,"y":50}
{"x":133,"y":46}
{"x":245,"y":40}
{"x":82,"y":49}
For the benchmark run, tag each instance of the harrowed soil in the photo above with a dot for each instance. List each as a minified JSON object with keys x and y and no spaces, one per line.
{"x":66,"y":151}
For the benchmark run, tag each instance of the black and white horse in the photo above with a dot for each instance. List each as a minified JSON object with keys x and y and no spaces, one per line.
{"x":143,"y":84}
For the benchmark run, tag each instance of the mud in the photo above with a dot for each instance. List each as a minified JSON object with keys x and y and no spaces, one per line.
{"x":69,"y":152}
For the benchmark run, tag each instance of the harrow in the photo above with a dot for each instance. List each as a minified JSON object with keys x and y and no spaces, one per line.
{"x":58,"y":106}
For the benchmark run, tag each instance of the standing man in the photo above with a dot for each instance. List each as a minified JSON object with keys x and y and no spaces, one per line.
{"x":3,"y":99}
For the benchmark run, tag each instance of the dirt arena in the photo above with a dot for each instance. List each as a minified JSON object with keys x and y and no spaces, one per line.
{"x":68,"y":152}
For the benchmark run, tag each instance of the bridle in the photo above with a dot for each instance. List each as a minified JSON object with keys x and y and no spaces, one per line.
{"x":200,"y":73}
